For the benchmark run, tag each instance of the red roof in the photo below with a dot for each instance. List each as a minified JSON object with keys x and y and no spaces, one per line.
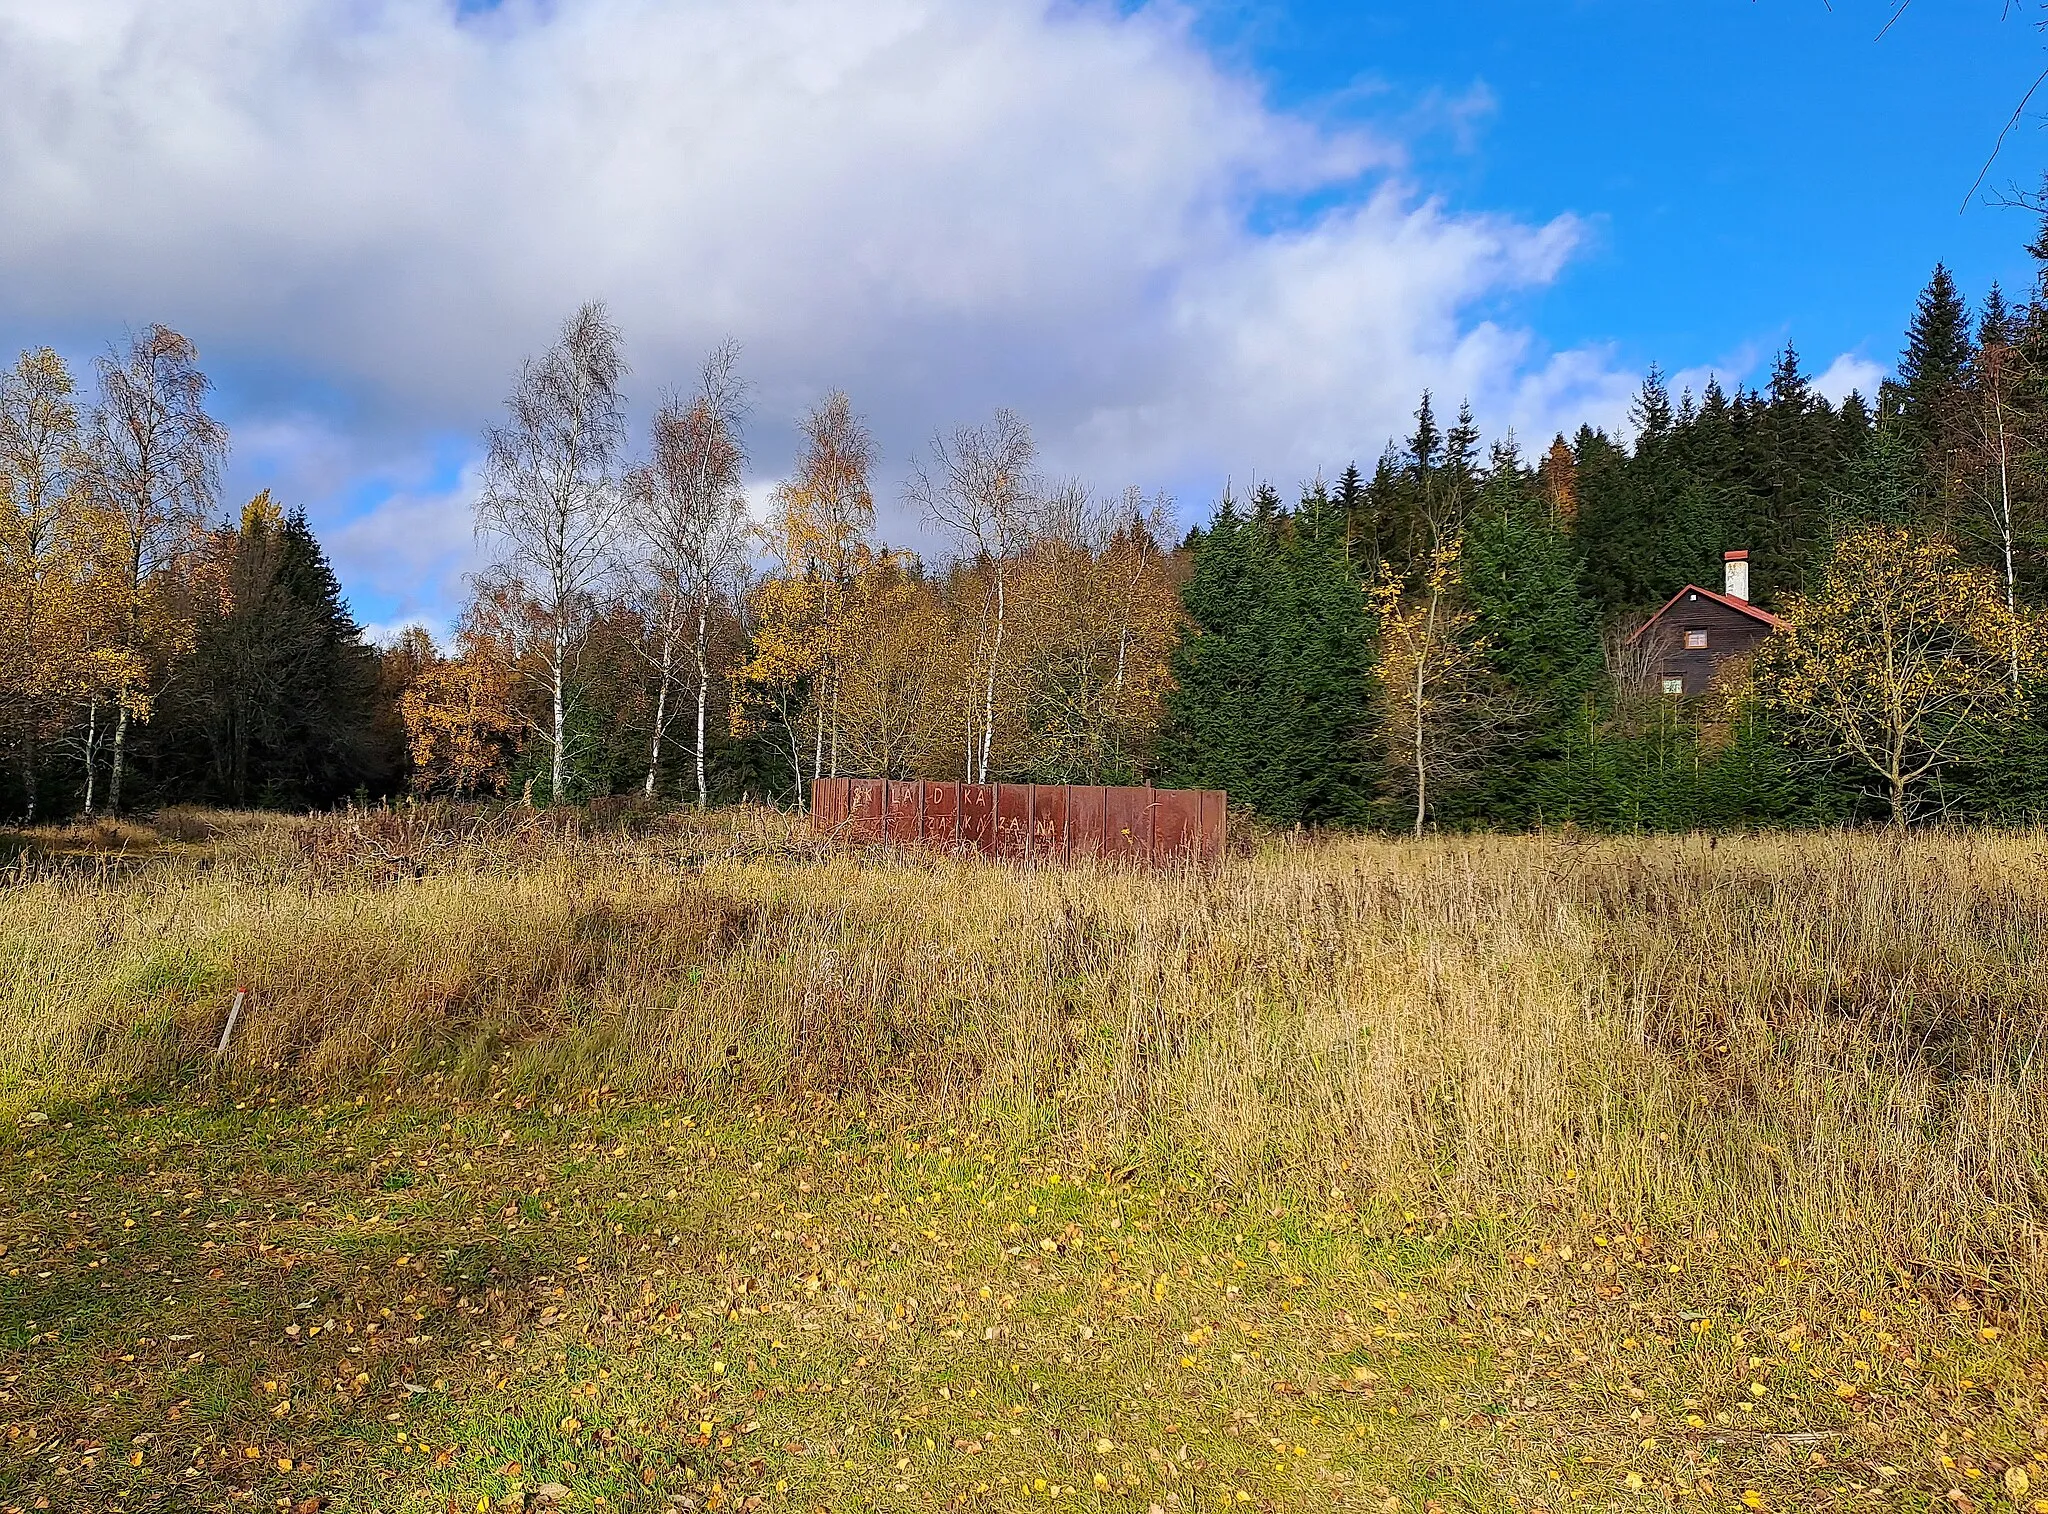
{"x":1725,"y":599}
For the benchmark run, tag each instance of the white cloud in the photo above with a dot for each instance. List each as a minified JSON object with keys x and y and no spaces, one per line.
{"x":409,"y":549}
{"x":1850,"y":372}
{"x":939,"y":205}
{"x":385,"y":633}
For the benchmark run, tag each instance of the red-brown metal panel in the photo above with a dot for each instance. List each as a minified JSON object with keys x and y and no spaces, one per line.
{"x":1125,"y":833}
{"x":1027,"y":822}
{"x":978,"y":816}
{"x":1087,"y":820}
{"x":828,"y":803}
{"x":1176,"y":826}
{"x":1013,"y":822}
{"x":865,"y":818}
{"x":1215,"y":821}
{"x":903,"y":823}
{"x":1049,"y":822}
{"x":942,"y":815}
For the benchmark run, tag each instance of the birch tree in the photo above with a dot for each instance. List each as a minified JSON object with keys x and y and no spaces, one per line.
{"x":690,"y":514}
{"x":979,"y":485}
{"x":1441,"y":708}
{"x":41,"y":571}
{"x":152,"y":464}
{"x":1096,"y":607}
{"x":552,"y":498}
{"x":824,"y":514}
{"x":1991,"y":444}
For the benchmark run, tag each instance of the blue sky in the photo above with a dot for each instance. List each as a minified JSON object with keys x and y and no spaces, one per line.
{"x":1755,"y":170}
{"x":1190,"y":244}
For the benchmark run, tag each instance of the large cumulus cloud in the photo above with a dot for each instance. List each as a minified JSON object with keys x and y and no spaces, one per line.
{"x":366,"y":211}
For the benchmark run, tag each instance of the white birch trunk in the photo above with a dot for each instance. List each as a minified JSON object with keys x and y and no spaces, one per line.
{"x":2005,"y":535}
{"x":556,"y":769}
{"x":660,"y":716}
{"x":120,"y":755}
{"x":995,"y":656}
{"x":92,"y":750}
{"x":1421,"y":750}
{"x":703,"y":699}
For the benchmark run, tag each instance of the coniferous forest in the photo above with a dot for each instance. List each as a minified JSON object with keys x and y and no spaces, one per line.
{"x":1442,"y":636}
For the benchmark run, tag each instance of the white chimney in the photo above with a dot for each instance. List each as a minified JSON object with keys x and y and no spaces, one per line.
{"x":1736,"y":566}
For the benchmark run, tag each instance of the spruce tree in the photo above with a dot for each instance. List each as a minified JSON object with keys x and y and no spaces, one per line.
{"x":1461,"y":446}
{"x":1425,"y":446}
{"x":1931,"y":371}
{"x":1273,"y":676}
{"x":1797,"y":463}
{"x":1356,"y":504}
{"x":1612,"y":530}
{"x":278,"y":704}
{"x":1997,"y":322}
{"x":1522,"y":573}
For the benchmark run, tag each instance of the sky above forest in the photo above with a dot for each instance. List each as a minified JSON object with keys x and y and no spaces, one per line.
{"x":1194,"y":245}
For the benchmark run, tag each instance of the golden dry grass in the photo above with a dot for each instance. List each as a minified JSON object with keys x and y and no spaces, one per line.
{"x":1657,"y":1120}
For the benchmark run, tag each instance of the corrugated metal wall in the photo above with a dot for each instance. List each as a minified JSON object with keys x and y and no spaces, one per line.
{"x":1027,"y":822}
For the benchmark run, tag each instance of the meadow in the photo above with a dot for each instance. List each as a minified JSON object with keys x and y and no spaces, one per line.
{"x":640,"y":1161}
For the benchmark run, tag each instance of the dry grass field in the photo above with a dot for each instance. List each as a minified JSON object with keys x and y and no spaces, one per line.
{"x":659,"y":1163}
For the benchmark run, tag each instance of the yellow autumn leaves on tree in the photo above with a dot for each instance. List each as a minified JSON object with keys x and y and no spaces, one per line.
{"x":101,"y":516}
{"x":1440,"y":705}
{"x":1043,"y":648}
{"x":1900,"y":656}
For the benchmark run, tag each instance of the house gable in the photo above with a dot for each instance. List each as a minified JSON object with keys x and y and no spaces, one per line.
{"x":1696,"y":631}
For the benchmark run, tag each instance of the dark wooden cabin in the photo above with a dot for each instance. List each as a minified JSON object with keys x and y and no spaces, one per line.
{"x":1698,"y":629}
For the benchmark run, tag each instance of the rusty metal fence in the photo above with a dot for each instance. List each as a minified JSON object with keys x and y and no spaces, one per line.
{"x":1026,"y":822}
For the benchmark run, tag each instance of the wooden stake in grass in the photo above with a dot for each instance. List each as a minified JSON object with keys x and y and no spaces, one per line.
{"x":227,"y":1031}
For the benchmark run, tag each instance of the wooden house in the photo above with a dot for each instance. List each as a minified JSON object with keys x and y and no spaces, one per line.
{"x":1698,"y":629}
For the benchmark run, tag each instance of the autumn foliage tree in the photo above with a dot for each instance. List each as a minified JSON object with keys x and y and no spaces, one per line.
{"x":820,"y":533}
{"x":979,"y":485}
{"x":47,"y":568}
{"x":152,"y":457}
{"x":460,"y":722}
{"x":688,"y":511}
{"x":553,"y":505}
{"x":1442,"y":709}
{"x":1897,"y":659}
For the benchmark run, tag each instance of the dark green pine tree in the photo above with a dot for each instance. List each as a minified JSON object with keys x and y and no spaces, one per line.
{"x":1856,"y":425}
{"x":1881,"y":486}
{"x":1384,"y":496}
{"x":1611,"y":527}
{"x":1218,"y":677}
{"x":1461,"y":450}
{"x":278,"y":704}
{"x":1352,"y":497}
{"x":1521,"y":573}
{"x":1415,"y":481}
{"x":1797,"y":465}
{"x":1426,"y":446}
{"x":1931,"y":373}
{"x":1679,"y":533}
{"x":1272,"y":680}
{"x":1998,"y":324}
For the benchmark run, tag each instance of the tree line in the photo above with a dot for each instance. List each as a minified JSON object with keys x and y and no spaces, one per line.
{"x":148,"y":650}
{"x":1501,"y":671}
{"x":1451,"y":638}
{"x":639,"y":632}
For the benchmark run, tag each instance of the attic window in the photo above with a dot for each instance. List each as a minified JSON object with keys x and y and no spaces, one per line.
{"x":1695,"y":641}
{"x":1674,"y":685}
